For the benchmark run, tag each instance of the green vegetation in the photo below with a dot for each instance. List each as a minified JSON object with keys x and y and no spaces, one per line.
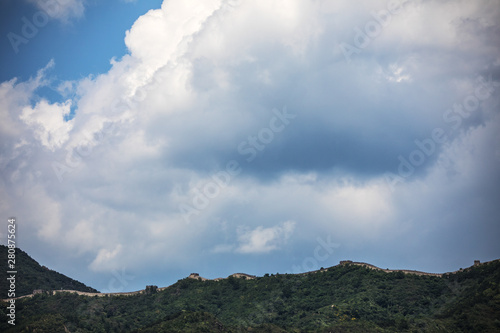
{"x":344,"y":298}
{"x":30,"y":276}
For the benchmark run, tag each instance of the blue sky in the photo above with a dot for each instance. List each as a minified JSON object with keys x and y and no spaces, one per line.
{"x":145,"y":140}
{"x":93,"y":38}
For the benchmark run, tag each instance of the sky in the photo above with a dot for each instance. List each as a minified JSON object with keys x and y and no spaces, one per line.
{"x":141,"y":141}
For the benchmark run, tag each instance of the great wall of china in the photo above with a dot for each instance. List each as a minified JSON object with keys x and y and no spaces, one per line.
{"x":196,"y":276}
{"x":406,"y":271}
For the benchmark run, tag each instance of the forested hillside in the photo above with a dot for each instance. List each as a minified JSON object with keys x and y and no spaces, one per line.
{"x":344,"y":298}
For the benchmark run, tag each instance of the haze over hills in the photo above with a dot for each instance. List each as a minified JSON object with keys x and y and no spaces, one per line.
{"x":349,"y":297}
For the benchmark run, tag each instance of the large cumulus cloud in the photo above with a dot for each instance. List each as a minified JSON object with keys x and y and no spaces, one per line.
{"x":181,"y":155}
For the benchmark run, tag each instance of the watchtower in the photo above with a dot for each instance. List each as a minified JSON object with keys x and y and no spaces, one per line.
{"x":151,"y":290}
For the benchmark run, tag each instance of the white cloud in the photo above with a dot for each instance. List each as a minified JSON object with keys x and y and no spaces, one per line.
{"x":49,"y":125}
{"x":105,"y":259}
{"x":14,"y":96}
{"x":161,"y":36}
{"x":397,"y":74}
{"x":365,"y":210}
{"x":264,"y":240}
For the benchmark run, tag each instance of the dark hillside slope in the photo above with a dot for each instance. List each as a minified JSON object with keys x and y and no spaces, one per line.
{"x":30,"y":276}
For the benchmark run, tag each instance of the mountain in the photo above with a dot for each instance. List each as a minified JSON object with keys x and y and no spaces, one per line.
{"x":350,"y":297}
{"x":31,"y":275}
